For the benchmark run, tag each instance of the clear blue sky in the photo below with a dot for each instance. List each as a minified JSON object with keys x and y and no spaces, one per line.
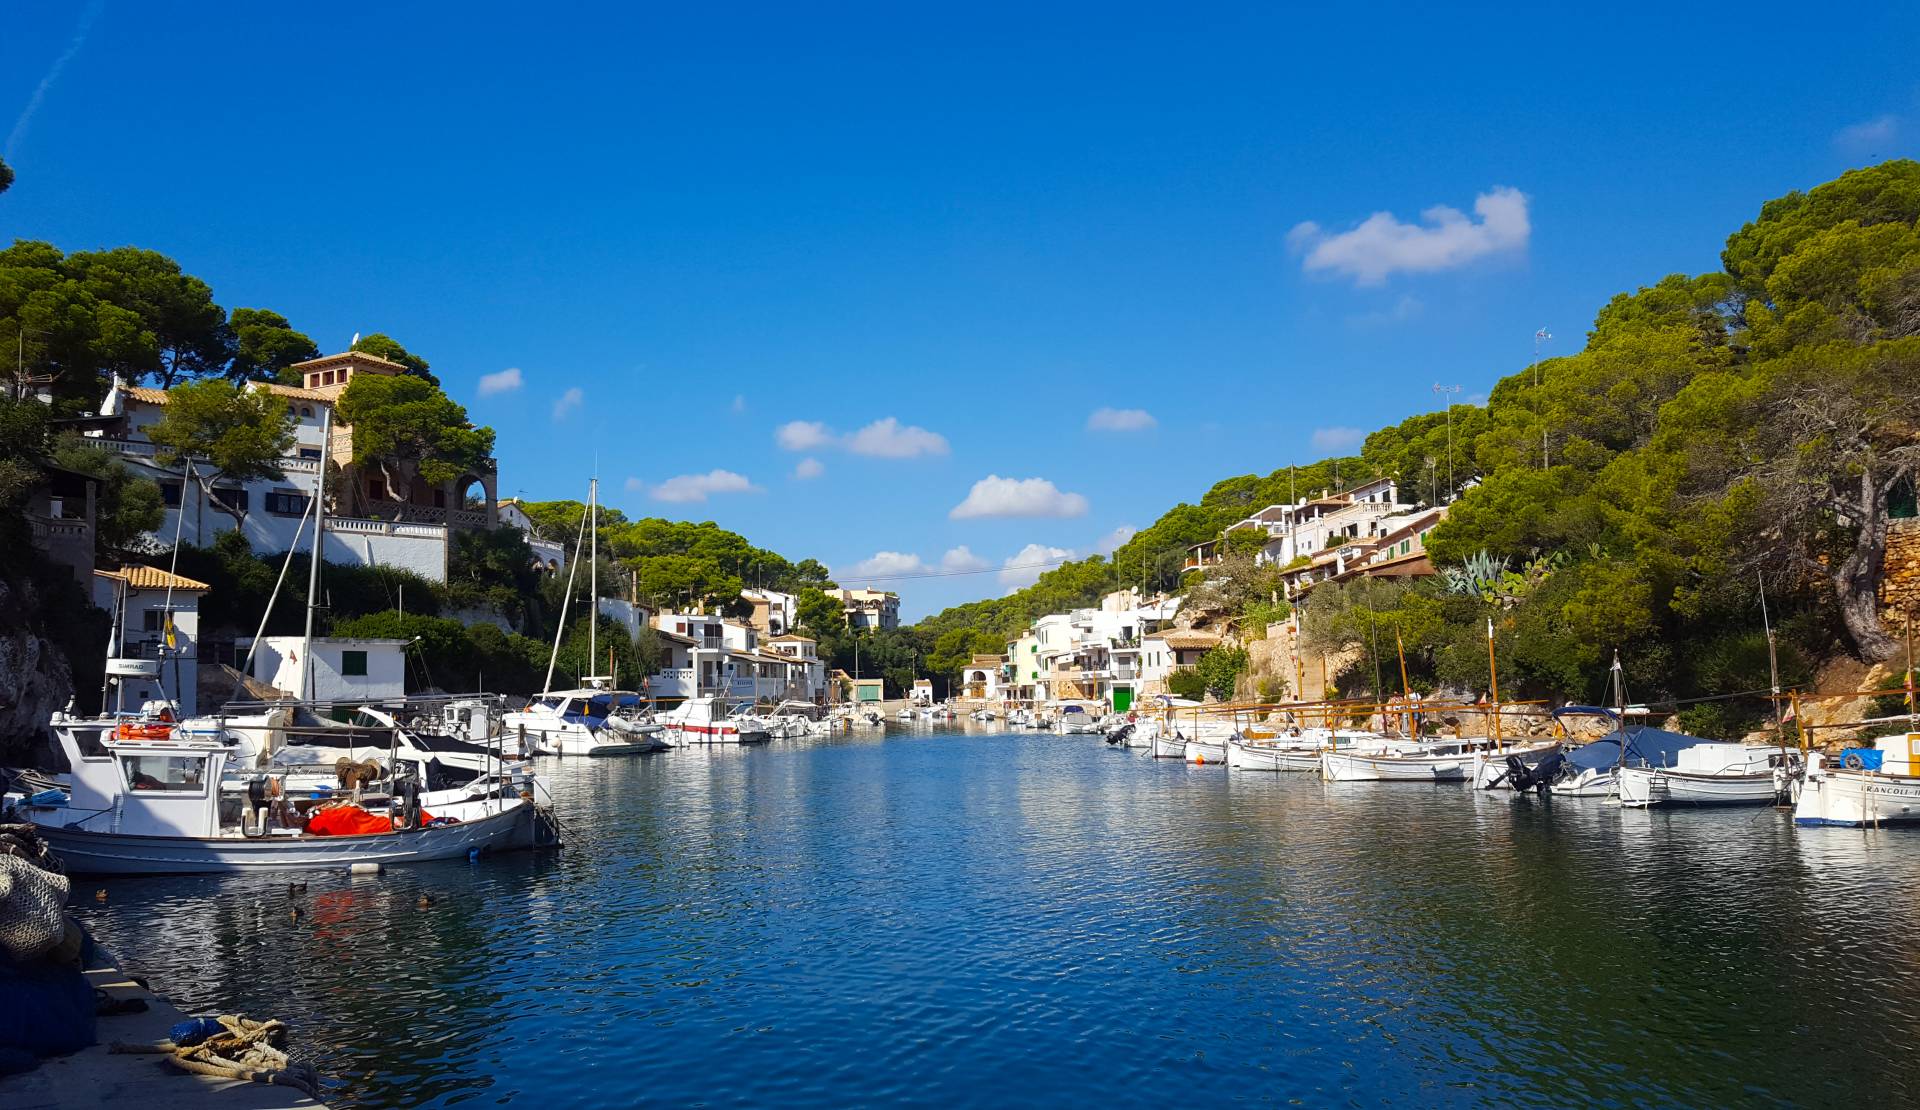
{"x":983,"y":222}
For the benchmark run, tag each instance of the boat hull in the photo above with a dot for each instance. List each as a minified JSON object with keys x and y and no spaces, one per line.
{"x":1205,"y":751}
{"x":82,"y":852}
{"x":1652,"y":786}
{"x":1169,"y":746}
{"x":1242,"y":756}
{"x":1354,"y":767}
{"x":1855,"y":799}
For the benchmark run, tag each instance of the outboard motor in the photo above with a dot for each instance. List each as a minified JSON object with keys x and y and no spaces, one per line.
{"x":1120,"y":734}
{"x":1538,"y":777}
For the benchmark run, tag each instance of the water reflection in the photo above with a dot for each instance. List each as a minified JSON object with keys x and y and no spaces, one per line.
{"x":947,"y":917}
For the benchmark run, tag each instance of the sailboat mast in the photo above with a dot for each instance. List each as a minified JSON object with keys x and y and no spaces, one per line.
{"x":593,"y":587}
{"x":573,"y":569}
{"x":313,"y":566}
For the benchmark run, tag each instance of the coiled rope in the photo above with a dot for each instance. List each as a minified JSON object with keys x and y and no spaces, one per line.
{"x":244,"y":1049}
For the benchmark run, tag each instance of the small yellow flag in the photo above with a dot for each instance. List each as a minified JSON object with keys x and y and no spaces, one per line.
{"x":170,"y":642}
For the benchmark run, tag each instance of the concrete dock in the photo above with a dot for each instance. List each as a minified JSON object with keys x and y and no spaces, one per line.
{"x":95,"y":1077}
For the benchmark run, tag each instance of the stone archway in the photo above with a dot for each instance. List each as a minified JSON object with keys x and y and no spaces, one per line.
{"x":474,"y":493}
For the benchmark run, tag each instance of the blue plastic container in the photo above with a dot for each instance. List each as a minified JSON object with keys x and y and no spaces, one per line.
{"x":1865,"y":759}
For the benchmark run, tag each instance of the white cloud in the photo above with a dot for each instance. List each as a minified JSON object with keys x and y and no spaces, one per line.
{"x":504,"y":381}
{"x":1381,"y":245}
{"x":1114,"y":540}
{"x":889,"y":439}
{"x":1028,"y":497}
{"x":886,"y":438}
{"x":1868,"y":134}
{"x":1337,"y":439}
{"x":809,"y":468}
{"x":739,"y":402}
{"x":635,"y":485}
{"x":802,"y":435}
{"x":962,"y":560}
{"x":1120,"y":420}
{"x":888,"y":564}
{"x":698,"y":487}
{"x":568,"y":403}
{"x":1025,"y":566}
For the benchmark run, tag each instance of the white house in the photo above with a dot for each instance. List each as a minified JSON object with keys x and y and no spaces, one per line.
{"x":343,"y":670}
{"x":145,"y":613}
{"x":809,"y":672}
{"x":774,"y":613}
{"x":366,"y":527}
{"x":982,"y":677}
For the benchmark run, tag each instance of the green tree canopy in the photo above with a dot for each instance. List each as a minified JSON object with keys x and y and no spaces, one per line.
{"x":230,"y":433}
{"x":381,"y":345}
{"x":265,"y":345}
{"x":408,"y":429}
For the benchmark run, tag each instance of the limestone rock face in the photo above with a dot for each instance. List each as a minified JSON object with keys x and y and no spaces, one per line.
{"x":35,"y":676}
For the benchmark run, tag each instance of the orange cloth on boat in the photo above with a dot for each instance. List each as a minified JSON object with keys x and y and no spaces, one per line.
{"x":351,"y":820}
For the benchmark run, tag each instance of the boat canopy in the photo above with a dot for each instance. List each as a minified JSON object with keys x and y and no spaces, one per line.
{"x":1654,"y":747}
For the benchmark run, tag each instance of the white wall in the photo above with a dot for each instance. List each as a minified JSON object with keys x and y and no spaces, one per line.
{"x":420,"y":548}
{"x":278,"y":663}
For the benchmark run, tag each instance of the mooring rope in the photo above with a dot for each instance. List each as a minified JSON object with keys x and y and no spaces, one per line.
{"x":244,"y":1049}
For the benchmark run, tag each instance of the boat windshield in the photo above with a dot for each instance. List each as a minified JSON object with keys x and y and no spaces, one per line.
{"x":179,"y":773}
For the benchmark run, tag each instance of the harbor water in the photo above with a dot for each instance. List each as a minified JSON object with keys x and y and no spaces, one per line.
{"x":967,"y":918}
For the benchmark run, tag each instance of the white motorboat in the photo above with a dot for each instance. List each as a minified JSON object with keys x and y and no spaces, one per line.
{"x":1712,"y":773}
{"x":710,"y":720}
{"x":586,"y":721}
{"x":1867,"y":787}
{"x":152,"y":806}
{"x":1206,"y":749}
{"x":1074,"y":719}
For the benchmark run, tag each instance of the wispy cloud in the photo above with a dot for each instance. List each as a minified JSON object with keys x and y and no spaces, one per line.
{"x":19,"y":132}
{"x":1869,"y":135}
{"x":1446,"y":238}
{"x":1400,"y":311}
{"x":686,"y":488}
{"x":739,"y":403}
{"x":886,"y":564}
{"x":1116,"y":539}
{"x":886,"y":438}
{"x":809,"y":469}
{"x":500,"y":381}
{"x":569,"y":403}
{"x":962,"y":560}
{"x":889,"y":439}
{"x":635,"y":485}
{"x":1337,"y":439}
{"x":802,"y":435}
{"x":1120,"y":420}
{"x":1024,"y":567}
{"x":994,"y":496}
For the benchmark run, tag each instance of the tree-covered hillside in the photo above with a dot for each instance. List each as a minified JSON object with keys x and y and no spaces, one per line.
{"x":1746,"y":428}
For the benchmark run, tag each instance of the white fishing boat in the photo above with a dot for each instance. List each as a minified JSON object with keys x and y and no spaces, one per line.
{"x":710,"y":720}
{"x":1404,"y":761}
{"x":1863,"y":787}
{"x":154,"y":806}
{"x":1711,"y":773}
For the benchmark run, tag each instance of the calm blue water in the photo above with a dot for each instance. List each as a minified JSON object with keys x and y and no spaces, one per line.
{"x":942,"y":919}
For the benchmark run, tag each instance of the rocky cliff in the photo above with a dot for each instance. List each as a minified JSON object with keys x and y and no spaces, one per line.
{"x":46,"y":623}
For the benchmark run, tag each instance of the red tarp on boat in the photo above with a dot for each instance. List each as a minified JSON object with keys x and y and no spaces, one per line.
{"x":351,"y":820}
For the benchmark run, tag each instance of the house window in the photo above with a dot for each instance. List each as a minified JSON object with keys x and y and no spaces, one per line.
{"x":376,"y":487}
{"x":286,"y":502}
{"x":309,"y":452}
{"x":170,"y":494}
{"x":439,"y":499}
{"x":306,"y":411}
{"x":230,"y":500}
{"x":353,"y":664}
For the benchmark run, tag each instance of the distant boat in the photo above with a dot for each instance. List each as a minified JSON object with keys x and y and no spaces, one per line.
{"x":710,"y":720}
